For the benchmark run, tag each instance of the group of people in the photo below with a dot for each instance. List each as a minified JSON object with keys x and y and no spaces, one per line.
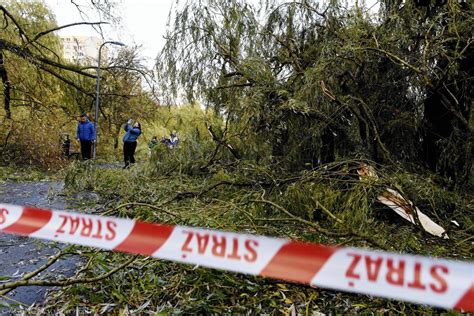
{"x":86,"y":135}
{"x":170,"y":142}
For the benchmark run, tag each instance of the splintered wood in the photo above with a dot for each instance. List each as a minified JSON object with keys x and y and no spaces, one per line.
{"x":403,"y":207}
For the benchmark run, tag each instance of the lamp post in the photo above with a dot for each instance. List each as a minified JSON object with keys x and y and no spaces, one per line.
{"x":97,"y":91}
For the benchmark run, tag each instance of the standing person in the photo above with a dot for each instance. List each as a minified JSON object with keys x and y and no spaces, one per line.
{"x":130,"y":142}
{"x":152,"y":144}
{"x":86,"y":135}
{"x":174,"y":139}
{"x":66,"y":145}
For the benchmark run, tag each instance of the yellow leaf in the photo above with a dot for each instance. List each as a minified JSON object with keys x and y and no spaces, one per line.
{"x":282,"y":286}
{"x":359,"y":305}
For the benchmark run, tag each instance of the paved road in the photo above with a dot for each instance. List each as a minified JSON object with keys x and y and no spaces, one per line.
{"x":20,"y":255}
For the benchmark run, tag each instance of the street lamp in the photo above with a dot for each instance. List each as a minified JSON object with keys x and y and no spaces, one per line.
{"x":97,"y":91}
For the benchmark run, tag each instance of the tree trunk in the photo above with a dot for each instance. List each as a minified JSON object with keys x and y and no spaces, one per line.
{"x":6,"y":88}
{"x":447,"y":142}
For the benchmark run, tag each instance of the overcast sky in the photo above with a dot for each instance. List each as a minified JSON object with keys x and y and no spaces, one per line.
{"x":143,"y":22}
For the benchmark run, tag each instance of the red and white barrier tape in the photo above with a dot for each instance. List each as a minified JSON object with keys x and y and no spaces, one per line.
{"x":437,"y":282}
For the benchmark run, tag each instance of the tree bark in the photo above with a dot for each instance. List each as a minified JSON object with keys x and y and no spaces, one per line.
{"x":6,"y":87}
{"x":446,"y":111}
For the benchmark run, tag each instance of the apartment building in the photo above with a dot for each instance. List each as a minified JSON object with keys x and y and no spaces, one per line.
{"x":82,"y":49}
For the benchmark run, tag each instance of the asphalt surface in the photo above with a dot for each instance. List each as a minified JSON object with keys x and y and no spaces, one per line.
{"x":20,"y":255}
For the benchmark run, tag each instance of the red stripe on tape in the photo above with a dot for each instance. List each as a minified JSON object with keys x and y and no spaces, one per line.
{"x":298,"y":262}
{"x":31,"y":220}
{"x":294,"y":261}
{"x":466,"y":302}
{"x":145,"y":238}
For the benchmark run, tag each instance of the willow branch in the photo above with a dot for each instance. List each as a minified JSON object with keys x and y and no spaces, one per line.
{"x":66,"y":282}
{"x":65,"y":80}
{"x":322,"y":230}
{"x":394,"y":58}
{"x":140,"y":204}
{"x":301,"y":220}
{"x":40,"y":34}
{"x":20,"y":29}
{"x":39,"y":60}
{"x":28,"y":276}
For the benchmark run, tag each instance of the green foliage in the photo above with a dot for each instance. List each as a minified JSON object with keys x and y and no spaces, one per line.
{"x":227,"y":200}
{"x":31,"y":136}
{"x":31,"y":87}
{"x":123,"y":97}
{"x":310,"y":87}
{"x":187,"y":158}
{"x":294,"y":92}
{"x":32,"y":16}
{"x":195,"y":147}
{"x":30,"y":140}
{"x":48,"y":92}
{"x":21,"y":174}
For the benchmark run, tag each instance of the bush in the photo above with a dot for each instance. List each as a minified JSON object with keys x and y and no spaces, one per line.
{"x":37,"y":144}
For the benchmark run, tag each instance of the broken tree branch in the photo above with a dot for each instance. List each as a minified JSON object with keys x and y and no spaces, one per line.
{"x":43,"y":33}
{"x":36,"y":60}
{"x":66,"y":282}
{"x":34,"y":273}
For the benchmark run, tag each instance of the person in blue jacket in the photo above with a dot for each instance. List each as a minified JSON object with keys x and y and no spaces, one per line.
{"x":86,"y":135}
{"x":130,"y":141}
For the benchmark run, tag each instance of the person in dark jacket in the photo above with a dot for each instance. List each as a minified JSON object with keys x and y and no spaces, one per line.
{"x":66,"y":146}
{"x":153,"y":143}
{"x":86,"y":135}
{"x":130,"y":141}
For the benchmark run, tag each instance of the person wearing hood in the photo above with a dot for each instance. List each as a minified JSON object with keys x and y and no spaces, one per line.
{"x":130,"y":142}
{"x":86,"y":136}
{"x":174,"y":139}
